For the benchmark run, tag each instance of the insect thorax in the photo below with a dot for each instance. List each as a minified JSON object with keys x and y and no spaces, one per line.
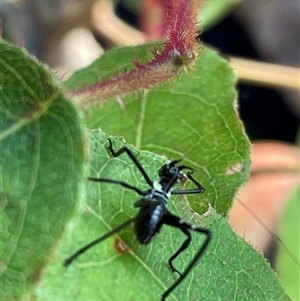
{"x":158,"y":193}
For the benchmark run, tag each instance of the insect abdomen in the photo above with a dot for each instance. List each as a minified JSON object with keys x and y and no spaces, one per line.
{"x":148,"y":222}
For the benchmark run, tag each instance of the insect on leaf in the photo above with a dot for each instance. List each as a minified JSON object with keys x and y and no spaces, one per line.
{"x":229,"y":270}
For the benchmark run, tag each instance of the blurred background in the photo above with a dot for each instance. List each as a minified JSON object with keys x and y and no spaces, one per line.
{"x":69,"y":34}
{"x":259,"y":37}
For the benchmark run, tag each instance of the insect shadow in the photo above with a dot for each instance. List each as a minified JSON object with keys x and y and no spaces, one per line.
{"x":153,"y":212}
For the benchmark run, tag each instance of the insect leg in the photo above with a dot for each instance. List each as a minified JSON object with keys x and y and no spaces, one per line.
{"x":180,"y":250}
{"x":82,"y":250}
{"x":200,"y":188}
{"x":118,"y":182}
{"x":132,"y":157}
{"x":177,"y":222}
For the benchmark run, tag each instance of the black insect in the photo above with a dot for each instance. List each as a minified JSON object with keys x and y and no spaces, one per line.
{"x":153,"y":212}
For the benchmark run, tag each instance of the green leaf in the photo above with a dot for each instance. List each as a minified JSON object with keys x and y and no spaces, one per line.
{"x":287,"y":269}
{"x":214,"y":11}
{"x":229,"y":270}
{"x":42,"y":155}
{"x":43,"y":169}
{"x":192,"y":117}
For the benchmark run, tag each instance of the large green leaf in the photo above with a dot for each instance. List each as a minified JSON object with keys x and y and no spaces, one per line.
{"x":230,"y":269}
{"x":192,"y":117}
{"x":41,"y":170}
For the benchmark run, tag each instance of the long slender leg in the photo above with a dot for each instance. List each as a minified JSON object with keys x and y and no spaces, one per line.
{"x":188,"y":191}
{"x":82,"y":250}
{"x":133,"y":158}
{"x":181,"y":249}
{"x":200,"y":188}
{"x":177,"y":222}
{"x":118,"y":182}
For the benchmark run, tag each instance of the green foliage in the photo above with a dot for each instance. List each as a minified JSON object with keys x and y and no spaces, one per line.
{"x":41,"y":172}
{"x":288,"y":270}
{"x":142,"y":272}
{"x":191,"y":118}
{"x":44,"y":166}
